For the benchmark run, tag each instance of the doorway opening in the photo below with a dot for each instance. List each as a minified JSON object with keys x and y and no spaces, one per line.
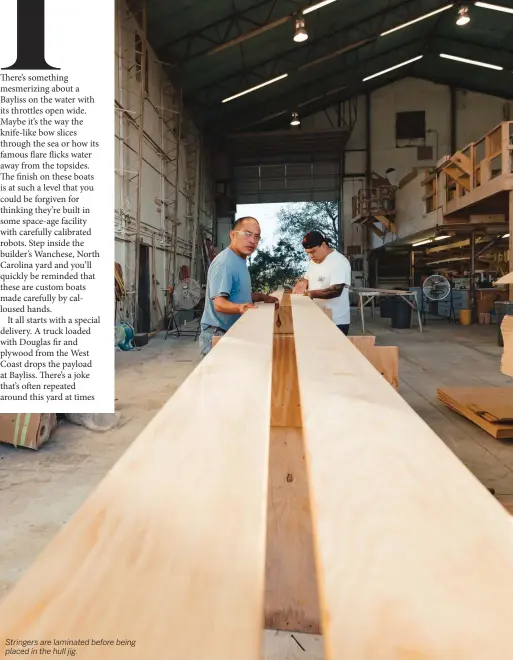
{"x":144,"y":312}
{"x":280,"y":258}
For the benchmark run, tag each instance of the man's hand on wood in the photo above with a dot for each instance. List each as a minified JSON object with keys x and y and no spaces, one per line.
{"x":271,"y":300}
{"x":244,"y":307}
{"x":300,"y":287}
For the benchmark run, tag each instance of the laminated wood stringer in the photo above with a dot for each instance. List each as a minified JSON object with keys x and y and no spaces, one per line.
{"x":295,"y":490}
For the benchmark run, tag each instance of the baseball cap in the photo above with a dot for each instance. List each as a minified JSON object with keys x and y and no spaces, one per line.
{"x":314,"y":239}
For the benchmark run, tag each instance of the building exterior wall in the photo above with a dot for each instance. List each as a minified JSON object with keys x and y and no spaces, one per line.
{"x":173,"y":182}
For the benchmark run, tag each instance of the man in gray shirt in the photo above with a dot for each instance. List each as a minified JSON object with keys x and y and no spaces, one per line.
{"x":228,"y":293}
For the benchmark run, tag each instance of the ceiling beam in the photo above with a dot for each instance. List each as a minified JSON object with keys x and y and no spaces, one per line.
{"x":350,"y":37}
{"x":428,"y":68}
{"x":347,"y":79}
{"x":231,"y":28}
{"x":464,"y":76}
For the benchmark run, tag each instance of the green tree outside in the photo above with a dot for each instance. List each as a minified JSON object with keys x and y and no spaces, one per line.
{"x":287,"y":261}
{"x":295,"y":220}
{"x":283,"y":265}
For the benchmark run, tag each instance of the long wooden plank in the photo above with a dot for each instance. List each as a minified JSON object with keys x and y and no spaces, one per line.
{"x":291,"y":598}
{"x":285,"y":408}
{"x":414,"y":556}
{"x":169,"y":550}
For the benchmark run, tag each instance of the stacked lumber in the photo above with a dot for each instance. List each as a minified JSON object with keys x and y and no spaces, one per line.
{"x":491,"y":408}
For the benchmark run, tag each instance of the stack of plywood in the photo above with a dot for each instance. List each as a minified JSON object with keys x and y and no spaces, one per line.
{"x":491,"y":408}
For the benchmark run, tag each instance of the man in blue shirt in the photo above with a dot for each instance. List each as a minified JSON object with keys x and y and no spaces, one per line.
{"x":228,"y":293}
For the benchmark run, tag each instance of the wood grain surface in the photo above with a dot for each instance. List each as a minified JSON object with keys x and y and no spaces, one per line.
{"x":414,"y":556}
{"x":169,"y":550}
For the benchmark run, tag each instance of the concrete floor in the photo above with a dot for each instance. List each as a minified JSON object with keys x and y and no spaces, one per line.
{"x":39,"y":491}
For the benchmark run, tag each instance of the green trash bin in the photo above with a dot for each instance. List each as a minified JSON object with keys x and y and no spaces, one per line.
{"x":502,"y":309}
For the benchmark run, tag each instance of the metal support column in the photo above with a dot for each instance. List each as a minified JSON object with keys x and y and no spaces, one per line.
{"x":472,"y":287}
{"x":171,"y":272}
{"x":197,"y":199}
{"x":454,"y":127}
{"x":510,"y":254}
{"x":341,"y":177}
{"x":368,"y":168}
{"x":144,"y":55}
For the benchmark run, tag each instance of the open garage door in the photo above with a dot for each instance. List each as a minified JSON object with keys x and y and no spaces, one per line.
{"x":287,"y":182}
{"x":287,"y":166}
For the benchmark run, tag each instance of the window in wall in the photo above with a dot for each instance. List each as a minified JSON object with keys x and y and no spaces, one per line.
{"x":410,"y":126}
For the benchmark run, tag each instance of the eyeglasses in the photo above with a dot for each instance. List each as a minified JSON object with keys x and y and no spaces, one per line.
{"x":249,"y":234}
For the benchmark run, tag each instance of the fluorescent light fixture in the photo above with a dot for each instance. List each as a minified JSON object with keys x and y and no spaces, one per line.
{"x":380,"y":73}
{"x":487,"y":5}
{"x":252,"y":89}
{"x":441,"y":238}
{"x":464,"y":59}
{"x":506,"y":236}
{"x":317,"y":6}
{"x":416,"y":20}
{"x":463,"y":17}
{"x":428,"y":240}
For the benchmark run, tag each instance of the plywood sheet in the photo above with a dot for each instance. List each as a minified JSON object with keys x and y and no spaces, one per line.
{"x":462,"y":400}
{"x":169,"y":550}
{"x":414,"y":556}
{"x":385,"y":359}
{"x":362,"y":341}
{"x":291,"y":600}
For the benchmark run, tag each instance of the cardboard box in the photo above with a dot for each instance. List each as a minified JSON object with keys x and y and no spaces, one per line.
{"x":30,"y":430}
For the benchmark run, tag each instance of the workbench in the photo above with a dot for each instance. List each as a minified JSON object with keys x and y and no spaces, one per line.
{"x":409,"y":297}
